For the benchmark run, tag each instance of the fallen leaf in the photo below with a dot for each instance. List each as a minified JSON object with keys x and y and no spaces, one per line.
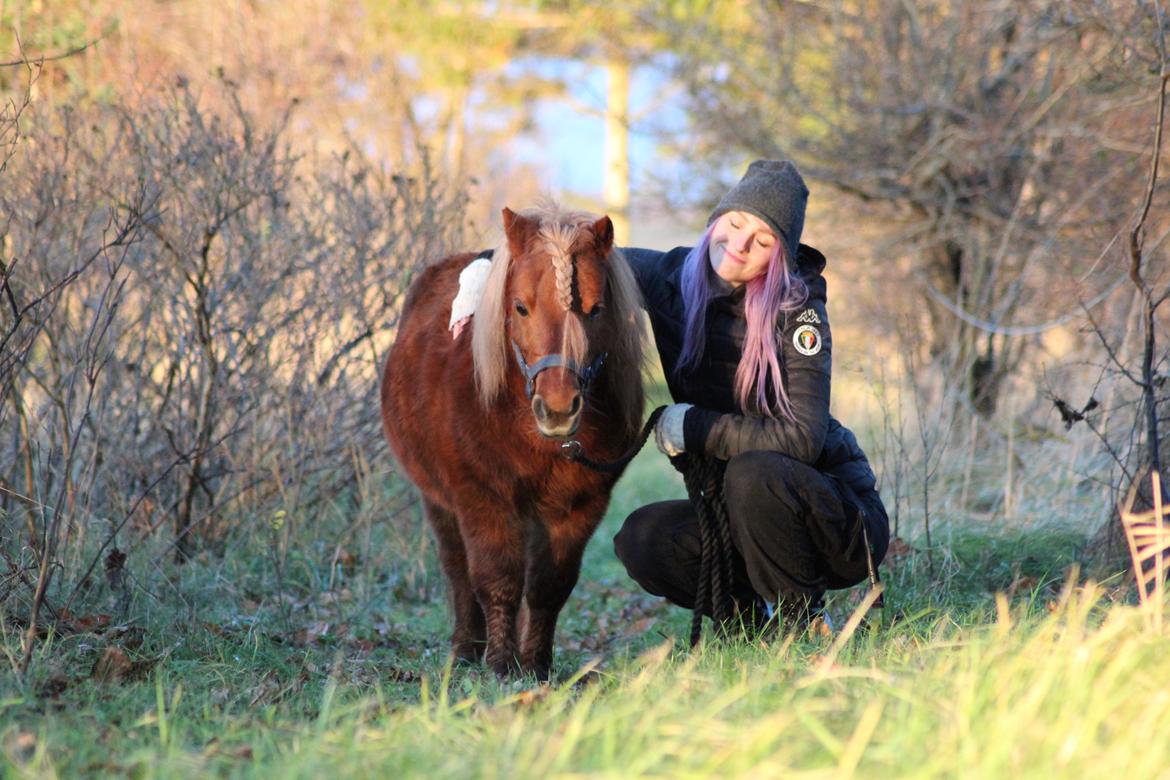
{"x":112,"y":666}
{"x":1022,"y":584}
{"x":395,"y":674}
{"x":22,"y":745}
{"x":265,"y":691}
{"x":899,"y":548}
{"x":532,"y":696}
{"x":131,"y":637}
{"x":640,"y":626}
{"x":53,"y":687}
{"x":115,"y":665}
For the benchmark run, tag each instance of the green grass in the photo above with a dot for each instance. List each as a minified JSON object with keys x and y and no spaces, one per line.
{"x":994,"y":660}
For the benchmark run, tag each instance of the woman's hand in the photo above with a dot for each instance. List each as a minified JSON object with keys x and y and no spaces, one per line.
{"x":668,"y":433}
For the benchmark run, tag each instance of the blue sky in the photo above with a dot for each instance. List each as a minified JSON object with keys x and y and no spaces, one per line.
{"x":568,"y":138}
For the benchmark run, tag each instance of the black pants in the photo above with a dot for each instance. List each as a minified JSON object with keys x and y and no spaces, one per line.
{"x":796,"y":531}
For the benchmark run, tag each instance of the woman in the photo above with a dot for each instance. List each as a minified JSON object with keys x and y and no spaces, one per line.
{"x":743,"y":335}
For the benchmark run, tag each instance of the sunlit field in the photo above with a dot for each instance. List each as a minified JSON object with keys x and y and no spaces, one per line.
{"x":1003,"y":661}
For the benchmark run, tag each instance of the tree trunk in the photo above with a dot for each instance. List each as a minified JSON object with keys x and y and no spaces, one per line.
{"x":616,"y":187}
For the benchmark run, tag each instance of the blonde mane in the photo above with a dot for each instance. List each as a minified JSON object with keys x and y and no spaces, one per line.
{"x":559,"y":230}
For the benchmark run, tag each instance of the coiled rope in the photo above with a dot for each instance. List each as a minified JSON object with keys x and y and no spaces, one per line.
{"x":704,"y":480}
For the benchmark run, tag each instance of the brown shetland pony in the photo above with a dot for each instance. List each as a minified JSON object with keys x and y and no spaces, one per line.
{"x":554,"y":351}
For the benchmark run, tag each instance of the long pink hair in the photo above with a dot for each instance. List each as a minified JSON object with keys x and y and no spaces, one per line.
{"x":772,"y":293}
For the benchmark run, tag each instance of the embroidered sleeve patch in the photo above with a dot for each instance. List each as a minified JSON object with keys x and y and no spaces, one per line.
{"x":809,"y":316}
{"x":807,"y":340}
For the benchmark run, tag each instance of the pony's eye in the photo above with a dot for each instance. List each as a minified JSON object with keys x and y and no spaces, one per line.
{"x":521,"y":309}
{"x":595,"y":312}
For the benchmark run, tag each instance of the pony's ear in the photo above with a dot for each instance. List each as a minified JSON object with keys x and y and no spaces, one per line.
{"x":518,"y":228}
{"x":603,"y":234}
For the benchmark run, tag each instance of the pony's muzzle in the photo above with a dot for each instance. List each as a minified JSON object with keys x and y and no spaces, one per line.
{"x":557,"y":420}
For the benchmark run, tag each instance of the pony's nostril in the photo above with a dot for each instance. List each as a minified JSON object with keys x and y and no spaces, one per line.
{"x":539,"y":408}
{"x":575,"y":406}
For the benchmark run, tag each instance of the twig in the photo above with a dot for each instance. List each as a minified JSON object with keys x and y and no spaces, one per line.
{"x":999,"y":329}
{"x":54,"y":57}
{"x":1136,"y":241}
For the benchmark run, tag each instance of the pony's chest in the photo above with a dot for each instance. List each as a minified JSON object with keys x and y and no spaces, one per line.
{"x":561,"y":488}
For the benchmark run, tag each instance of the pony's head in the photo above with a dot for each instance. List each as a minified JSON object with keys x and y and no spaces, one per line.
{"x":560,"y":305}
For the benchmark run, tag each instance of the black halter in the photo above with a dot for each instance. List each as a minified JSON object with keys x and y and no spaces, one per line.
{"x":585,"y":376}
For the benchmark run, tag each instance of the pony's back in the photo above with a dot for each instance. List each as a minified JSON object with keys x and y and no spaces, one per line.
{"x":428,"y":378}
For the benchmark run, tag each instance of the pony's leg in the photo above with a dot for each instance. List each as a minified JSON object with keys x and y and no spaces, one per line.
{"x":554,"y":564}
{"x":495,"y":557}
{"x":469,"y":637}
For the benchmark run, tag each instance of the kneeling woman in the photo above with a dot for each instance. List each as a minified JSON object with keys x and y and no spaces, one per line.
{"x":743,"y":335}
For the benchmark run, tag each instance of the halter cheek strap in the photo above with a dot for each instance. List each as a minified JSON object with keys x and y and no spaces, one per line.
{"x":585,"y":376}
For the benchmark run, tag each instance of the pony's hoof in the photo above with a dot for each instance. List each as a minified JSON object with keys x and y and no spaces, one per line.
{"x":540,"y":671}
{"x":467,"y":653}
{"x":465,"y":661}
{"x":504,"y":668}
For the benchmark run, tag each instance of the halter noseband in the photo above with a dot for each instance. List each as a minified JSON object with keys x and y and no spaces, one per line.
{"x":585,"y":376}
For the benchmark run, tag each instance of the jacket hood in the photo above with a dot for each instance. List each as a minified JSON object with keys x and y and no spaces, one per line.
{"x":809,"y":262}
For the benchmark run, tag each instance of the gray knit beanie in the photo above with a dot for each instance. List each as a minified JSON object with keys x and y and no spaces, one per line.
{"x":773,"y":191}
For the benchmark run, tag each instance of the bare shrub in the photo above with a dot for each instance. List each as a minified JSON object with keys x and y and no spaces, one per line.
{"x":212,"y":363}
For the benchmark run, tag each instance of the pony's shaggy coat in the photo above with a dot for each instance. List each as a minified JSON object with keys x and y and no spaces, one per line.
{"x":511,"y":515}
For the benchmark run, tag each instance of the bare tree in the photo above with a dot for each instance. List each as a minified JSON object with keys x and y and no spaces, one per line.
{"x":992,"y":139}
{"x":1141,"y":404}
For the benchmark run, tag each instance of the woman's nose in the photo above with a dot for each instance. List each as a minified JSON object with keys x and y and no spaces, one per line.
{"x":744,"y":242}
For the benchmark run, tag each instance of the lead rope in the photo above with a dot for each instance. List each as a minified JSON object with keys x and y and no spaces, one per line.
{"x":573,"y":450}
{"x":704,"y":480}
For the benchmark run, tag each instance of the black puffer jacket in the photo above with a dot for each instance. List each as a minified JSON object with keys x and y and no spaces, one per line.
{"x":716,"y":425}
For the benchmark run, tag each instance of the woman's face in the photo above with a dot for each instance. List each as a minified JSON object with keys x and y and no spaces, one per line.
{"x":741,"y":247}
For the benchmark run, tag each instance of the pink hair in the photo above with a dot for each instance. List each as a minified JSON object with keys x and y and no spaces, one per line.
{"x":768,"y":295}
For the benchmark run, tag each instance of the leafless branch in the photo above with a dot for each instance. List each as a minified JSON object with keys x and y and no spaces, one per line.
{"x":43,"y":58}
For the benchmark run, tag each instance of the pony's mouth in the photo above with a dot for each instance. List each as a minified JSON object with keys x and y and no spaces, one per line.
{"x":557,"y":424}
{"x":558,"y":429}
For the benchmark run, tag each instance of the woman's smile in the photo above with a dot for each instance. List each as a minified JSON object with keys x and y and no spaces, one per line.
{"x":755,"y":247}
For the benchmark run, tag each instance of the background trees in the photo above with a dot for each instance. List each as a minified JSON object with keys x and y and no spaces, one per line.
{"x":998,"y":148}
